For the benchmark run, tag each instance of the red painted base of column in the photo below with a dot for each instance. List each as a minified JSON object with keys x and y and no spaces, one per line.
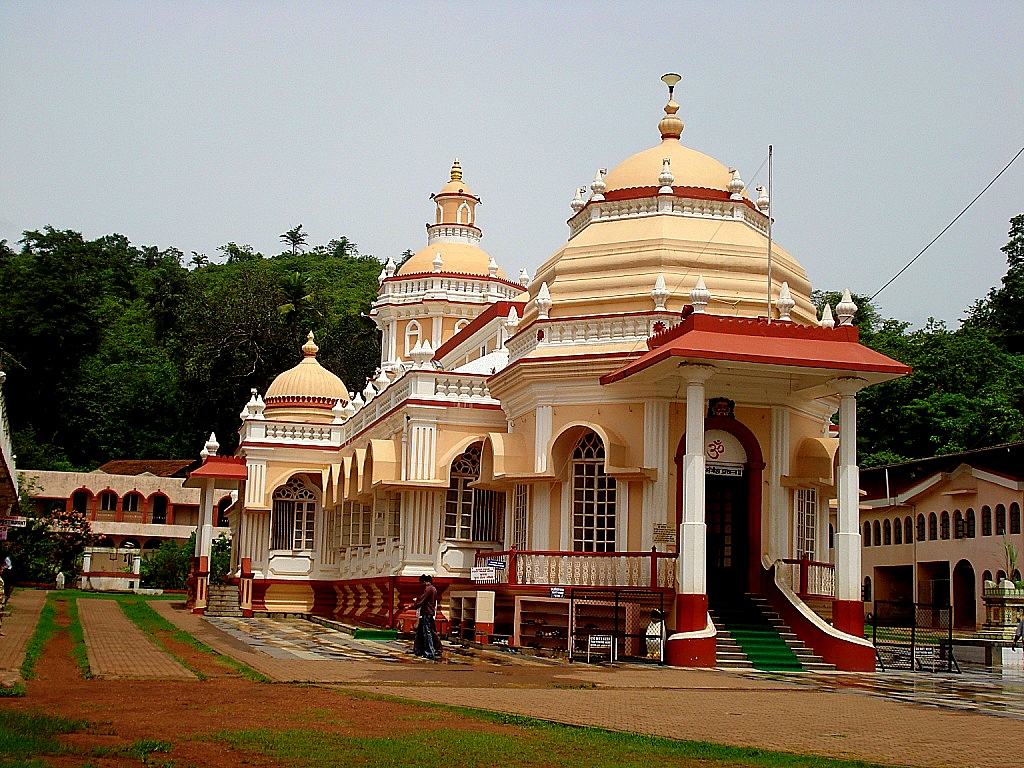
{"x":691,"y":613}
{"x":848,"y":617}
{"x":698,"y":652}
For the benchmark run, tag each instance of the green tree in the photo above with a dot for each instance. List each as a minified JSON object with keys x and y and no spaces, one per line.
{"x":1003,"y":309}
{"x":52,"y":541}
{"x":295,"y":239}
{"x":167,"y":566}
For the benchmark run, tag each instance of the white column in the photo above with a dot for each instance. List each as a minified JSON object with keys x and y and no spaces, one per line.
{"x":692,"y":571}
{"x":779,"y":513}
{"x":655,"y":495}
{"x":204,"y":529}
{"x":542,"y":435}
{"x":540,"y":517}
{"x":847,"y":539}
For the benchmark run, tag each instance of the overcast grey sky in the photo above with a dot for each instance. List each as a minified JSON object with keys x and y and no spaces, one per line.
{"x":191,"y":124}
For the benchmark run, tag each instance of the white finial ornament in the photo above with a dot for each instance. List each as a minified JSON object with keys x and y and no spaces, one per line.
{"x":369,"y":392}
{"x":382,"y":276}
{"x":492,"y":267}
{"x":438,"y":262}
{"x":512,"y":321}
{"x":699,"y":297}
{"x":846,"y":309}
{"x":389,"y":268}
{"x":736,"y":185}
{"x":597,"y":186}
{"x":349,"y":410}
{"x":543,"y":302}
{"x":524,"y":277}
{"x":421,"y":355}
{"x":827,"y":321}
{"x":762,"y":199}
{"x":578,"y":203}
{"x":357,"y":401}
{"x":660,"y":292}
{"x":785,"y":303}
{"x":382,"y":381}
{"x":211,"y":447}
{"x":339,"y":412}
{"x":665,"y":178}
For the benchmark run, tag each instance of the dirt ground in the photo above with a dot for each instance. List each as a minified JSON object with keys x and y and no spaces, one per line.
{"x":125,"y":711}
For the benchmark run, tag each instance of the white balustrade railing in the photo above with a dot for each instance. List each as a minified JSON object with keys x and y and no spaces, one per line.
{"x":614,"y":329}
{"x":583,"y":569}
{"x":808,"y":578}
{"x":610,"y":210}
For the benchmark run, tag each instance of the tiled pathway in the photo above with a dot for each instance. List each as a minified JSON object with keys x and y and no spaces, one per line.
{"x":119,"y":649}
{"x":19,"y":622}
{"x":299,"y":639}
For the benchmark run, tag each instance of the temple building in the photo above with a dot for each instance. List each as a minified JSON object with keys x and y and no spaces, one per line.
{"x":637,"y":440}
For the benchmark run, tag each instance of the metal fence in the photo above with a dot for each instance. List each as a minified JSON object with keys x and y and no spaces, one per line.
{"x":913,"y":636}
{"x":617,"y":624}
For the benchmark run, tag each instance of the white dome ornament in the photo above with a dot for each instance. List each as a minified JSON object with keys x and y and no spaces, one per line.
{"x":665,"y":178}
{"x":492,"y":267}
{"x":543,"y":302}
{"x":699,"y":297}
{"x":524,"y":277}
{"x":762,"y":199}
{"x":736,"y":185}
{"x":349,"y":410}
{"x":382,"y":276}
{"x":211,"y":447}
{"x":389,"y":268}
{"x":785,"y":304}
{"x":438,"y":262}
{"x":382,"y":381}
{"x":597,"y":186}
{"x":368,"y":391}
{"x":827,"y":321}
{"x":660,"y":293}
{"x":421,"y":355}
{"x":846,"y":309}
{"x":578,"y":203}
{"x":339,"y":413}
{"x":358,"y":402}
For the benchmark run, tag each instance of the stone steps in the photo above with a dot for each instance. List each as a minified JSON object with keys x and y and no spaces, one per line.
{"x":223,"y":601}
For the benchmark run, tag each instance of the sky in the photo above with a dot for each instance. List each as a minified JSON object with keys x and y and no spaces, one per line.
{"x":192,"y":124}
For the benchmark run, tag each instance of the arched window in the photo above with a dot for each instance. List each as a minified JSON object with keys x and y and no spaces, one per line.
{"x":460,"y":324}
{"x":131,"y":502}
{"x":986,"y":521}
{"x":944,"y":525}
{"x":986,"y":576}
{"x":897,"y":531}
{"x":1016,"y":575}
{"x":412,"y":336}
{"x":80,"y":502}
{"x":593,"y":498}
{"x":908,"y":530}
{"x":222,"y":512}
{"x":292,"y":525}
{"x":1000,"y":520}
{"x":463,"y":214}
{"x":971,"y":524}
{"x":887,"y":533}
{"x":933,"y":527}
{"x":471,"y":513}
{"x":867,"y":589}
{"x":878,"y":534}
{"x":920,"y":528}
{"x":108,"y":501}
{"x":1000,"y":576}
{"x":867,"y":534}
{"x":1015,"y":518}
{"x":959,"y":527}
{"x":158,"y":510}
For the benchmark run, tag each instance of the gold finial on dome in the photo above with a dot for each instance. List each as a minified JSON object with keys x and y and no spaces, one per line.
{"x":671,"y":126}
{"x":309,"y":349}
{"x":456,"y":170}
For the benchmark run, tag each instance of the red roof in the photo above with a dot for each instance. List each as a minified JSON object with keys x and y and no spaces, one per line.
{"x":158,"y":467}
{"x":755,"y":340}
{"x":222,"y":468}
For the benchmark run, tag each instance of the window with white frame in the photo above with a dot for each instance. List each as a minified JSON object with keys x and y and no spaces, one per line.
{"x":412,"y":336}
{"x":473,"y":514}
{"x":806,"y":521}
{"x":108,"y":501}
{"x":294,"y":519}
{"x":394,"y":515}
{"x":593,"y":498}
{"x":356,"y":524}
{"x":345,"y":539}
{"x":520,"y":515}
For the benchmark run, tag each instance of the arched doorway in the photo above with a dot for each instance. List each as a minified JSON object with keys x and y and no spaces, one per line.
{"x":965,"y":610}
{"x":732,"y":503}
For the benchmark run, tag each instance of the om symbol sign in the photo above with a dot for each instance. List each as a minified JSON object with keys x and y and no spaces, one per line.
{"x":715,"y":449}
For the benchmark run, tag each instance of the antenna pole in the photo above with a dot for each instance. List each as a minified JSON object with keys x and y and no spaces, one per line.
{"x":770,"y":197}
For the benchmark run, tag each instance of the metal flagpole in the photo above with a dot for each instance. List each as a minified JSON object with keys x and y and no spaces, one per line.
{"x":769,"y":233}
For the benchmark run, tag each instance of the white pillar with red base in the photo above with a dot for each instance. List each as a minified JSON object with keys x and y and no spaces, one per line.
{"x":693,"y":642}
{"x":848,"y":610}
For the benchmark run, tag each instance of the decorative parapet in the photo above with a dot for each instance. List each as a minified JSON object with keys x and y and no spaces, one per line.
{"x":441,"y":286}
{"x":609,"y":329}
{"x":695,"y":208}
{"x":291,"y":433}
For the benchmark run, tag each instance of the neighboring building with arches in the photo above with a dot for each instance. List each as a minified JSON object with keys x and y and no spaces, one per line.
{"x":629,"y":421}
{"x":957,"y":512}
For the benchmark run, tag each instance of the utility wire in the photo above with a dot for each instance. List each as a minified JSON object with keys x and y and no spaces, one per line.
{"x":919,"y":255}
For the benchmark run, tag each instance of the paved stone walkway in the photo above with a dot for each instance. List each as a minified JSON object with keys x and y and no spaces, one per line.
{"x":19,"y":622}
{"x":117,"y":648}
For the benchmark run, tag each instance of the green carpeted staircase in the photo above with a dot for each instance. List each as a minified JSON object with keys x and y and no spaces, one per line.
{"x":738,"y":616}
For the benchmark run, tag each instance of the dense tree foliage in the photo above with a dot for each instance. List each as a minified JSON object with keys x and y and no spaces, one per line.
{"x":119,"y":351}
{"x":967,"y":386}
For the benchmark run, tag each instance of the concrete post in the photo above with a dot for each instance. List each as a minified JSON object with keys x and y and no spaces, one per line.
{"x":848,"y":612}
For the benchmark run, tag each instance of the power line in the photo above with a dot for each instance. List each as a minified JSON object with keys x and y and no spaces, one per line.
{"x":919,"y":255}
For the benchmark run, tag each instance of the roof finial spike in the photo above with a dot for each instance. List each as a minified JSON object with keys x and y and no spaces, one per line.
{"x":309,"y":349}
{"x":700,"y":296}
{"x":846,"y":309}
{"x":736,"y":185}
{"x":671,"y":126}
{"x":660,"y":293}
{"x":456,"y":170}
{"x":785,"y":303}
{"x":666,"y":178}
{"x":827,"y":320}
{"x":598,"y":186}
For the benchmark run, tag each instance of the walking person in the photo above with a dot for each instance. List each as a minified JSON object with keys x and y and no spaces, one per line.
{"x":427,"y":644}
{"x":1018,"y":634}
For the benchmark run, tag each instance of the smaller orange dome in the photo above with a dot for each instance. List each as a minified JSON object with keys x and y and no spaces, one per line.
{"x":307,"y":381}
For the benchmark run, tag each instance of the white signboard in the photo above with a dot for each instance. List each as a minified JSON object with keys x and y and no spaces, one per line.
{"x":483,"y":575}
{"x":14,"y":522}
